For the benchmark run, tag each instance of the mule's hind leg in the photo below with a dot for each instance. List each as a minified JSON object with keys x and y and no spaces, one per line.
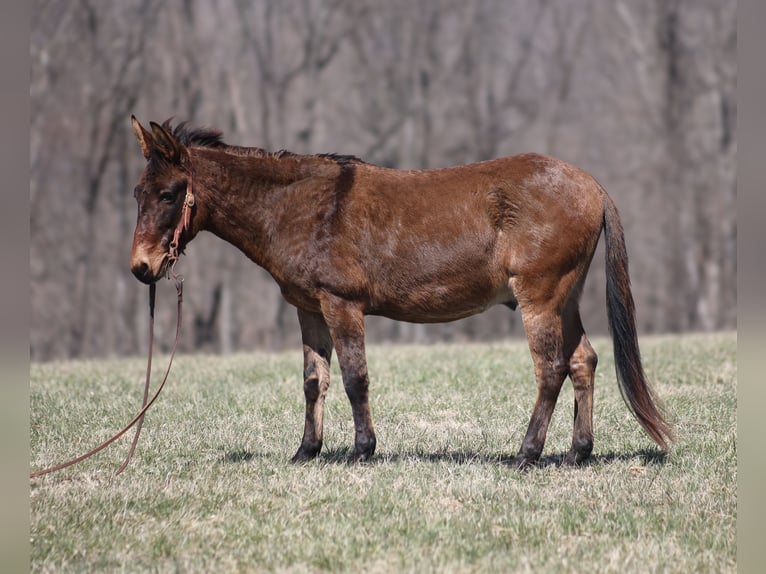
{"x":582,"y":371}
{"x":317,"y":353}
{"x":546,"y":344}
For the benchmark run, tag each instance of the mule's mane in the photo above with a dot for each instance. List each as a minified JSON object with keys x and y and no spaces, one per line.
{"x":213,"y":139}
{"x":195,"y":137}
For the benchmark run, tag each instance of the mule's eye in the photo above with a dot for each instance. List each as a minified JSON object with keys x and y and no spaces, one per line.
{"x":167,"y":197}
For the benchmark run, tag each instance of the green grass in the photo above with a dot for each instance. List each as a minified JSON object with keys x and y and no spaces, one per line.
{"x":210,"y":488}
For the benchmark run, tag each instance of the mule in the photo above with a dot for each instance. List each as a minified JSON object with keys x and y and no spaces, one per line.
{"x":344,"y":239}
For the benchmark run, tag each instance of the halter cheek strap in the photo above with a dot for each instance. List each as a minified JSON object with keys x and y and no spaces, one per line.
{"x":184,"y":223}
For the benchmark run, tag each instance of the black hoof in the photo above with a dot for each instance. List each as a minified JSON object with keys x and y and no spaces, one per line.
{"x":306,"y":453}
{"x":362,"y":454}
{"x":579,"y":452}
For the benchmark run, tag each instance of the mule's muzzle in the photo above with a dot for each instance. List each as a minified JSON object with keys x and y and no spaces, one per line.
{"x":148,"y":265}
{"x":143,"y":272}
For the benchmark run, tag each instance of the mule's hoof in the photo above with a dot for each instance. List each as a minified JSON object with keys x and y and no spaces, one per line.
{"x":579,"y":453}
{"x":306,"y":454}
{"x":364,"y":448}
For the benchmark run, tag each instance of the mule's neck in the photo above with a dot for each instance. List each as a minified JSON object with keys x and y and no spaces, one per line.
{"x":246,"y":198}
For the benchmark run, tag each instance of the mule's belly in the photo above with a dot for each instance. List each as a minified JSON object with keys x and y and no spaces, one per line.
{"x":442,"y":302}
{"x":426,"y":304}
{"x":436,"y":314}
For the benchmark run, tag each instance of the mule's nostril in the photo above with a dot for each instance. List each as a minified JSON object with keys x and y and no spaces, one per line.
{"x":141,"y":271}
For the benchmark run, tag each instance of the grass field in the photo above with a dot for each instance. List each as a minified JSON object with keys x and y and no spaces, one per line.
{"x":210,"y":488}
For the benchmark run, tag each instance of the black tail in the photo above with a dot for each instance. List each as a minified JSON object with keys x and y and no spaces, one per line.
{"x":635,"y":389}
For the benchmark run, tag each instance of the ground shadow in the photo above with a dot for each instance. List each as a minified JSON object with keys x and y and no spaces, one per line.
{"x":648,"y":456}
{"x":342,"y":455}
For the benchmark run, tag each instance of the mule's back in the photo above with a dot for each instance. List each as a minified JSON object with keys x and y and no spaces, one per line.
{"x":438,"y":245}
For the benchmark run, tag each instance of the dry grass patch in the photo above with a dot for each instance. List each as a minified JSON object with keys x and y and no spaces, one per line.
{"x":210,"y":488}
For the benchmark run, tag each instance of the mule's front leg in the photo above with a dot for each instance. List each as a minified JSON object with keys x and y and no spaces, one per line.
{"x":346,"y":323}
{"x":317,"y":353}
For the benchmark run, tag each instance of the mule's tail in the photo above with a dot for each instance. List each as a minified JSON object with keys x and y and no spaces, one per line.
{"x":634,"y":387}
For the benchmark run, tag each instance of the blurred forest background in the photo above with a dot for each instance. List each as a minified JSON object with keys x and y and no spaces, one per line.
{"x":641,"y":93}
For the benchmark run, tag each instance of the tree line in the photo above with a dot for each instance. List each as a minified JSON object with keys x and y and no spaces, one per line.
{"x":641,"y":94}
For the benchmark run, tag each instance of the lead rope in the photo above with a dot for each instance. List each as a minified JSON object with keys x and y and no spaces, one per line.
{"x":144,"y":405}
{"x":139,"y":418}
{"x":140,"y":423}
{"x":172,"y":260}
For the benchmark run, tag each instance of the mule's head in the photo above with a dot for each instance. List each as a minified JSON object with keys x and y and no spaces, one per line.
{"x":160,"y":194}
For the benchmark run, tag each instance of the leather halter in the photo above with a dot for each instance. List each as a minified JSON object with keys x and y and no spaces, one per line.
{"x":184,"y":223}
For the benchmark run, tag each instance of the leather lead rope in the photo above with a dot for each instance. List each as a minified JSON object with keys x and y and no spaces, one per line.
{"x":139,"y":418}
{"x":140,"y":423}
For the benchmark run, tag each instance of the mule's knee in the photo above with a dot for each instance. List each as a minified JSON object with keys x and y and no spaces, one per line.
{"x":357,"y":387}
{"x":311,"y":389}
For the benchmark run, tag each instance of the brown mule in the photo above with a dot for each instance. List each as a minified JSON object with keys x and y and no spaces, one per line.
{"x":345,"y":239}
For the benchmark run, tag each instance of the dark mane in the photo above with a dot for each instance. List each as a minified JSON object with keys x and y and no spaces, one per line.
{"x":340,"y":158}
{"x":212,"y":138}
{"x":195,"y":137}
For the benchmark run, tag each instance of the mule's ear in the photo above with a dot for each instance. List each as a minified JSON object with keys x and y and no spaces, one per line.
{"x":165,"y":142}
{"x":144,"y":138}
